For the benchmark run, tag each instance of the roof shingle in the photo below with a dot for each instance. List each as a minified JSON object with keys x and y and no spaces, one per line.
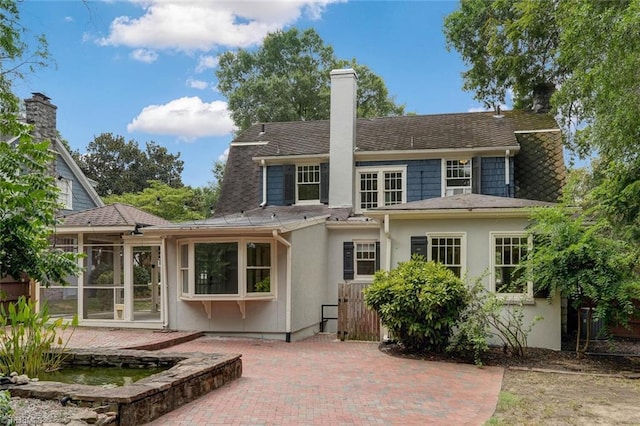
{"x":111,"y":215}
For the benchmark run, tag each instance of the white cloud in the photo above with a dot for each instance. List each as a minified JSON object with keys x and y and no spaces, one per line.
{"x":189,"y":25}
{"x":144,"y":55}
{"x":206,"y":62}
{"x":223,"y":157}
{"x":197,"y":84}
{"x":187,"y":118}
{"x":68,"y":19}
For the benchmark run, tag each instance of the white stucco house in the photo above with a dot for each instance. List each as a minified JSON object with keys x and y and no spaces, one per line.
{"x":306,"y":206}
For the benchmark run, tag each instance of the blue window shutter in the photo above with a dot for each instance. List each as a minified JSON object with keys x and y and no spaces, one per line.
{"x":324,"y":183}
{"x":419,"y":246}
{"x":377,"y":255}
{"x":476,"y":175}
{"x":289,"y":184}
{"x":347,"y":258}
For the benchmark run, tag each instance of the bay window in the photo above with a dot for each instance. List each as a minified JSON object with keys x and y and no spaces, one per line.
{"x":218,"y":269}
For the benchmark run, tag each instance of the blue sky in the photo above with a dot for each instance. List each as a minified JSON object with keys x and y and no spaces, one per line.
{"x":144,"y":69}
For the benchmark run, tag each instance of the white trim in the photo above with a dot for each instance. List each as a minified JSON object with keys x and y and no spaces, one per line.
{"x":519,"y":132}
{"x":291,"y":159}
{"x":380,"y":170}
{"x":254,"y":143}
{"x":438,"y":153}
{"x":463,"y":247}
{"x":492,"y":265}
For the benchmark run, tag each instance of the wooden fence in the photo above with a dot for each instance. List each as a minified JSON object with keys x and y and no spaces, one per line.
{"x":355,"y":320}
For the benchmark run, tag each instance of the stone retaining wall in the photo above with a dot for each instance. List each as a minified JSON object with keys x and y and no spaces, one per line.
{"x":192,"y":375}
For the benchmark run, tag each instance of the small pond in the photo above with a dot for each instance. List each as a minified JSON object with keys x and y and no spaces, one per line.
{"x":99,"y":376}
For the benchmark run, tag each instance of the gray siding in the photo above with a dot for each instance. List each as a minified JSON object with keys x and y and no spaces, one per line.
{"x":81,"y":199}
{"x":492,"y":172}
{"x":424,"y":178}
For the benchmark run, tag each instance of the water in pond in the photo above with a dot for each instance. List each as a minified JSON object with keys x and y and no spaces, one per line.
{"x":99,"y":376}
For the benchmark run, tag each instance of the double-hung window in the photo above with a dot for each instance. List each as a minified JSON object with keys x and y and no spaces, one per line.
{"x":379,"y":187}
{"x":308,"y":183}
{"x":508,"y":251}
{"x":226,"y":269}
{"x":448,"y":249}
{"x":365,"y":259}
{"x":457,"y":177}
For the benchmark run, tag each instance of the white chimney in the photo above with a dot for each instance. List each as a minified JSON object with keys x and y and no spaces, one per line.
{"x":342,"y":137}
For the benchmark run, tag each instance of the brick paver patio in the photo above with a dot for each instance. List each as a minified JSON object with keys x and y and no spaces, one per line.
{"x":320,"y":381}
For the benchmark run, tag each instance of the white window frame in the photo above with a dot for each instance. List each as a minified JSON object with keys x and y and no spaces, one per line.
{"x":463,"y":247}
{"x":528,"y":294}
{"x":242,"y":293}
{"x":65,"y":196}
{"x":298,"y":182}
{"x":456,"y":190}
{"x":357,"y":243}
{"x":380,"y":171}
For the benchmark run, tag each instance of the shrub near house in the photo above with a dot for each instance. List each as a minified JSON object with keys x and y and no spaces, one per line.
{"x":419,"y":301}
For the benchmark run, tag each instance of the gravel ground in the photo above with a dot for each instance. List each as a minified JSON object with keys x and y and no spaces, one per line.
{"x":35,"y":412}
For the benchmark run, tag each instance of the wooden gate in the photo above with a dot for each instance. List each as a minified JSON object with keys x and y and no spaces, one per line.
{"x":355,"y":320}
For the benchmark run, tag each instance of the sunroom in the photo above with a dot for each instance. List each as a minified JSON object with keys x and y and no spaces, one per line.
{"x":121,"y":278}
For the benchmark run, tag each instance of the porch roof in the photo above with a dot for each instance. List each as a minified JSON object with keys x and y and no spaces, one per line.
{"x":281,"y":218}
{"x":110,"y":216}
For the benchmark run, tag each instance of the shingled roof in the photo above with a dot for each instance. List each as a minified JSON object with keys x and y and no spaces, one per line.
{"x":111,"y":215}
{"x":539,"y":166}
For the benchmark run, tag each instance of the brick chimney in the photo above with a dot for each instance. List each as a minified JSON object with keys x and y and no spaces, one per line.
{"x":542,"y":97}
{"x":41,"y":114}
{"x":342,"y":137}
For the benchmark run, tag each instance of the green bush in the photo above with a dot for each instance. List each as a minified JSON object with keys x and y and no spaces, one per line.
{"x":419,"y":302}
{"x":488,"y":315}
{"x":473,"y":329}
{"x":6,"y":412}
{"x":29,"y":342}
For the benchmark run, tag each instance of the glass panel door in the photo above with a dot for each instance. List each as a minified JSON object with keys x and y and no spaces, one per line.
{"x":146,"y":282}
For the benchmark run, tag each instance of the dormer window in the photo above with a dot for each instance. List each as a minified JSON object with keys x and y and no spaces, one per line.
{"x":457,"y":177}
{"x":308,"y":184}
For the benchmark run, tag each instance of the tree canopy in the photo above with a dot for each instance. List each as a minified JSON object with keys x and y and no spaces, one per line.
{"x":28,"y":193}
{"x":589,"y":49}
{"x":288,"y":79}
{"x":174,"y":204}
{"x":121,"y":167}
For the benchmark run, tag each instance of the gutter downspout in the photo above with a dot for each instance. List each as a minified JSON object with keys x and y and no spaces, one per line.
{"x":287,"y":244}
{"x":387,"y":233}
{"x":507,"y":172}
{"x":165,"y":290}
{"x":264,"y":183}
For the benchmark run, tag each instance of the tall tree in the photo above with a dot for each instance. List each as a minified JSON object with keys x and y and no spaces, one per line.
{"x":287,"y":79}
{"x":121,"y":167}
{"x":28,"y":193}
{"x":590,"y":49}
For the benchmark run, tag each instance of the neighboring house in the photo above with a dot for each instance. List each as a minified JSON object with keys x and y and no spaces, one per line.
{"x":76,"y":191}
{"x":305,"y":206}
